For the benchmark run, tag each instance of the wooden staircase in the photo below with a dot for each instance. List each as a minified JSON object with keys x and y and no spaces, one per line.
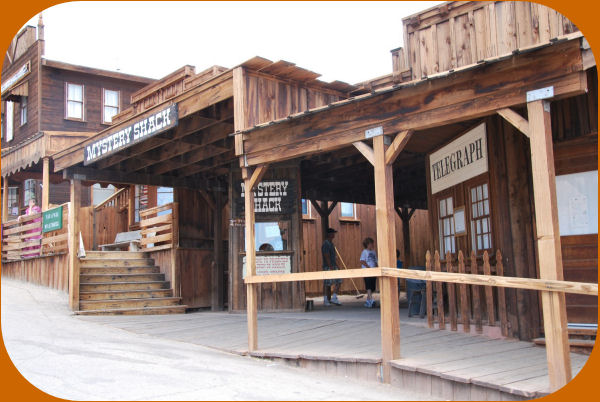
{"x":124,"y":283}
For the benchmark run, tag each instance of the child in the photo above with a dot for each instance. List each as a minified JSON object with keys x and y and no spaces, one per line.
{"x":368,"y":259}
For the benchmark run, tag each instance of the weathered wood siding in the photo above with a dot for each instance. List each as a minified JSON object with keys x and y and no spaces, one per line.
{"x":462,"y":33}
{"x":349,"y":238}
{"x":52,"y":272}
{"x":109,"y":222}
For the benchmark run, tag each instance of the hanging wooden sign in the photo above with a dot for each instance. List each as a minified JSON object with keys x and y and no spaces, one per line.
{"x":138,"y":131}
{"x":273,"y":196}
{"x":460,"y":160}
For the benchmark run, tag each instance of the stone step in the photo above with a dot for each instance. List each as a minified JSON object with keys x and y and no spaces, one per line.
{"x":115,"y":254}
{"x":90,"y":305}
{"x":116,"y":262}
{"x":124,"y":294}
{"x":105,"y":278}
{"x":136,"y":311}
{"x":123,"y":286}
{"x":120,"y":270}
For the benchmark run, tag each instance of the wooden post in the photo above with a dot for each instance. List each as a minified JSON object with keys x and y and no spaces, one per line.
{"x":131,"y":206}
{"x":175,"y":268}
{"x":46,"y":184}
{"x":4,"y":199}
{"x":548,"y":242}
{"x":217,"y":272}
{"x":250,"y":181}
{"x":74,"y":207}
{"x":386,"y":249}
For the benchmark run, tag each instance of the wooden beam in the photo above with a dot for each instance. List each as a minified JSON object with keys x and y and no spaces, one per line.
{"x":365,"y":150}
{"x":427,"y":104}
{"x":386,"y":250}
{"x":218,"y":269}
{"x":251,"y":289}
{"x":515,"y":119}
{"x":74,"y":209}
{"x":397,"y":146}
{"x":45,"y":183}
{"x":549,"y":247}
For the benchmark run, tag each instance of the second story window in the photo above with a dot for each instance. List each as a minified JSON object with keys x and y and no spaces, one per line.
{"x":110,"y":102}
{"x":74,"y":101}
{"x":24,"y":110}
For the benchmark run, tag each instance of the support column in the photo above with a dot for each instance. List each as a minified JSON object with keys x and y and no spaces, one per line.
{"x":4,"y":199}
{"x":250,"y":181}
{"x":131,"y":205}
{"x":218,"y":271}
{"x":74,"y":208}
{"x":548,"y":241}
{"x":46,"y":184}
{"x":386,"y":253}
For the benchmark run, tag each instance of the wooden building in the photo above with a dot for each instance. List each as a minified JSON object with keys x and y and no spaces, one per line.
{"x":48,"y":106}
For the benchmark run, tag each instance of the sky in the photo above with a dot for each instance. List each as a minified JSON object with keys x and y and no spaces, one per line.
{"x":346,"y":41}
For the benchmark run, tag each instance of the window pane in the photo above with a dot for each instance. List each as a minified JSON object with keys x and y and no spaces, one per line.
{"x":75,"y":92}
{"x":484,"y":225}
{"x":485,"y":191}
{"x":446,"y":227}
{"x":450,"y":209}
{"x":111,"y":98}
{"x":479,"y":243}
{"x":486,"y":207}
{"x":75,"y":110}
{"x":347,"y":209}
{"x":486,"y":241}
{"x":475,"y":214}
{"x":448,"y":245}
{"x":479,"y":193}
{"x":9,"y":120}
{"x":109,"y":112}
{"x":473,"y":194}
{"x":443,"y":208}
{"x":480,"y":208}
{"x":304,"y":207}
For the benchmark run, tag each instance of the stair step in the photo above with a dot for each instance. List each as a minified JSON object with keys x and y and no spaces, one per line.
{"x":115,"y":262}
{"x":116,"y":254}
{"x":120,"y":270}
{"x":88,"y":305}
{"x":135,"y":311}
{"x":104,"y":278}
{"x":123,"y":286}
{"x":124,"y":294}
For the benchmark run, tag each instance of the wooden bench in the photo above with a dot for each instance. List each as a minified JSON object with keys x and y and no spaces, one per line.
{"x":131,"y":240}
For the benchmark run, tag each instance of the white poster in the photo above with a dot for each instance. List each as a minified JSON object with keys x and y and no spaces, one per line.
{"x":460,"y":160}
{"x":577,"y":199}
{"x":270,"y":265}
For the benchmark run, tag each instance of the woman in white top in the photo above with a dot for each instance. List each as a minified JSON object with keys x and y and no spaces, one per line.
{"x":368,"y":259}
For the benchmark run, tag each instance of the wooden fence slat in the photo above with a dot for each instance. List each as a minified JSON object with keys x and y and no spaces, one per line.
{"x":451,"y":294}
{"x":501,"y":296}
{"x":440,"y":294}
{"x":56,"y":239}
{"x":157,"y":239}
{"x":489,"y":295}
{"x":429,"y":291}
{"x":157,"y":248}
{"x":476,"y":296}
{"x":30,"y":226}
{"x":154,"y":221}
{"x":155,"y":210}
{"x":156,"y":229}
{"x":464,"y":301}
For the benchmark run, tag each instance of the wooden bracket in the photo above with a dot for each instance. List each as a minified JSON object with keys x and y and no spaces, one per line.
{"x":366,"y":151}
{"x":515,"y":119}
{"x":397,"y":146}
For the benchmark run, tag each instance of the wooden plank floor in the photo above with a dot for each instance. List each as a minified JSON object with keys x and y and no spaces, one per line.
{"x":351,"y":333}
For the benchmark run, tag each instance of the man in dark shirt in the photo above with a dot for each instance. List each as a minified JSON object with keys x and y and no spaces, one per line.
{"x":329,"y":264}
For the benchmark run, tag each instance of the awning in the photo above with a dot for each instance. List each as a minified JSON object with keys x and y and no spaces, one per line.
{"x":16,"y":93}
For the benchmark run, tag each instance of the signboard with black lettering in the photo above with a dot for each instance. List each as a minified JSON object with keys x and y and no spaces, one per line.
{"x":460,"y":160}
{"x":272,"y":196}
{"x":138,"y":131}
{"x":52,"y":219}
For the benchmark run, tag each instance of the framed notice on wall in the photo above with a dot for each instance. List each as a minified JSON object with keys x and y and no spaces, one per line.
{"x":460,"y":226}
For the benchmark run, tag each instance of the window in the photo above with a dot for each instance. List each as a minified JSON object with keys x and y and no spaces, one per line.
{"x":9,"y":116}
{"x":140,"y":201}
{"x":110,"y":105}
{"x":23,"y":110}
{"x":164,"y":195}
{"x":481,"y":228}
{"x":306,"y":210}
{"x":271,"y":236}
{"x":13,"y":201}
{"x":446,"y":226}
{"x":99,"y":194}
{"x":347,"y":210}
{"x":74,"y":101}
{"x":31,"y":191}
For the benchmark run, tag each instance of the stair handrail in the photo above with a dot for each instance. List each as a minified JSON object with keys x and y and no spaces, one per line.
{"x":113,"y":197}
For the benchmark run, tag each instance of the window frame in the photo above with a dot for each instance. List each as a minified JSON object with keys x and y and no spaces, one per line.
{"x":441,"y":235}
{"x":67,"y":117}
{"x":104,"y":121}
{"x":23,"y":108}
{"x":354,"y":217}
{"x":472,"y":227}
{"x":308,"y":215}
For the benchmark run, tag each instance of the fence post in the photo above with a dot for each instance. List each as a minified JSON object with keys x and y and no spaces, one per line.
{"x":429,"y":291}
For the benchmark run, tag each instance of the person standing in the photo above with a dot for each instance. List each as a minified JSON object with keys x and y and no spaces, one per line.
{"x":329,"y":264}
{"x":368,"y":259}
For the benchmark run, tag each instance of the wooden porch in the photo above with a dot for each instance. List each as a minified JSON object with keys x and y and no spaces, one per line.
{"x":345,"y":341}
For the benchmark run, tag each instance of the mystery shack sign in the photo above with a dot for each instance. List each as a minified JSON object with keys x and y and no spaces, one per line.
{"x":143,"y":128}
{"x":273,"y":196}
{"x":460,"y":160}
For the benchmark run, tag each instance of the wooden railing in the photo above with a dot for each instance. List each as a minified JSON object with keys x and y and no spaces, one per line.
{"x":119,"y":199}
{"x":466,"y":302}
{"x":23,"y":238}
{"x":159,"y":232}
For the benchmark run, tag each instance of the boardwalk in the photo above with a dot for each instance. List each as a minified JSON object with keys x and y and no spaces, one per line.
{"x":351,"y":334}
